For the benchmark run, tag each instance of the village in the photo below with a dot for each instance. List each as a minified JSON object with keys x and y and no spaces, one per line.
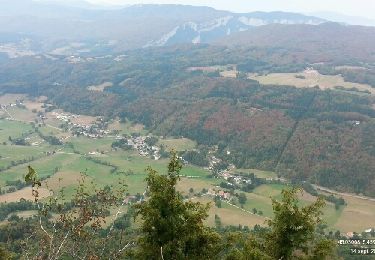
{"x":140,"y":144}
{"x":232,"y":180}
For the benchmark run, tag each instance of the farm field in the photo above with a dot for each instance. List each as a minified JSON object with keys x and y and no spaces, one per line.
{"x":127,"y":128}
{"x":231,"y":215}
{"x":257,"y":173}
{"x":11,"y":98}
{"x":308,"y":79}
{"x":180,"y":144}
{"x":25,"y":193}
{"x":63,"y":166}
{"x":12,"y":128}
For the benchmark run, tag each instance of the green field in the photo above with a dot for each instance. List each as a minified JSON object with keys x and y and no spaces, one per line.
{"x":9,"y":153}
{"x":257,"y":173}
{"x":85,"y":145}
{"x":13,"y":129}
{"x":178,"y":144}
{"x":308,"y":79}
{"x":65,"y":167}
{"x":127,"y":128}
{"x":46,"y":130}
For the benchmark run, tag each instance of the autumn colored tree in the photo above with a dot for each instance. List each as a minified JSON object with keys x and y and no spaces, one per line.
{"x":78,"y":230}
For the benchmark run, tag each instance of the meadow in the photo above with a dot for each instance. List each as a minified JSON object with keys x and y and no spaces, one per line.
{"x":65,"y":165}
{"x":308,"y":79}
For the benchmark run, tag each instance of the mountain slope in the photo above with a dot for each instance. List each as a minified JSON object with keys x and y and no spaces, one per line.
{"x":211,"y":30}
{"x":131,"y":27}
{"x":320,"y":42}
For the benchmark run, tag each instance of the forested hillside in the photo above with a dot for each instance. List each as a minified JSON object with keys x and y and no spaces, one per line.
{"x":323,"y":43}
{"x":184,"y":132}
{"x":323,"y":136}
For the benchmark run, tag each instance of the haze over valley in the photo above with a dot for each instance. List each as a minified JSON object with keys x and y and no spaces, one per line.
{"x":250,"y":105}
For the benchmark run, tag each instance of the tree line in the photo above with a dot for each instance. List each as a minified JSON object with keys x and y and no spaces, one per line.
{"x":168,"y":226}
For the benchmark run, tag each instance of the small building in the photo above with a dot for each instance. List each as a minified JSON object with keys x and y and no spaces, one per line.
{"x":349,"y":234}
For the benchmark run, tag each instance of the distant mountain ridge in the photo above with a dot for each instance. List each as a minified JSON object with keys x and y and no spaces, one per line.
{"x":321,"y":43}
{"x":346,"y":19}
{"x":136,"y":26}
{"x":209,"y":31}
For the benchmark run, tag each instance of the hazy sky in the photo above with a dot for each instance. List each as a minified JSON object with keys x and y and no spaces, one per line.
{"x":364,"y":8}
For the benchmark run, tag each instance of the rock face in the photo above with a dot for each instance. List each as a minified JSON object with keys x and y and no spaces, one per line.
{"x":209,"y":31}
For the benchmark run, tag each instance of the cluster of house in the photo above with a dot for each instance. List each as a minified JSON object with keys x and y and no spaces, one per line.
{"x":4,"y":107}
{"x":90,"y":130}
{"x":16,"y":103}
{"x":311,"y":70}
{"x":75,"y":59}
{"x":139,"y":143}
{"x":355,"y":122}
{"x":226,"y":173}
{"x":10,"y":105}
{"x":212,"y":162}
{"x":96,"y":152}
{"x":235,"y":178}
{"x":63,"y":117}
{"x":130,"y":199}
{"x":354,"y":234}
{"x":219,"y":193}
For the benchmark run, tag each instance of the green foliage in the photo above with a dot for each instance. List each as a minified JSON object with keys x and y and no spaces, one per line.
{"x":7,"y":208}
{"x":265,"y":127}
{"x":32,"y":178}
{"x":123,"y":144}
{"x":196,"y":158}
{"x":4,"y":254}
{"x":79,"y":230}
{"x":218,"y":223}
{"x":242,"y":198}
{"x":217,"y":201}
{"x":151,"y":140}
{"x":240,"y":246}
{"x":19,"y":141}
{"x":52,"y":140}
{"x":330,"y":198}
{"x":293,"y":229}
{"x":172,"y":228}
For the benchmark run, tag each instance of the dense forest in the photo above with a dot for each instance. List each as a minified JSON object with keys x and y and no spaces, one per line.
{"x":322,"y":136}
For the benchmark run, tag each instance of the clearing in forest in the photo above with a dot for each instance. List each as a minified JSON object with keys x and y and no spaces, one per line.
{"x":309,"y":79}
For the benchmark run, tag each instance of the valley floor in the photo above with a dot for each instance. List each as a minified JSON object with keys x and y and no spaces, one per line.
{"x":91,"y":154}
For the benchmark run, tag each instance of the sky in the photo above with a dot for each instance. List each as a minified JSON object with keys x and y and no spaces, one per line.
{"x":362,"y":8}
